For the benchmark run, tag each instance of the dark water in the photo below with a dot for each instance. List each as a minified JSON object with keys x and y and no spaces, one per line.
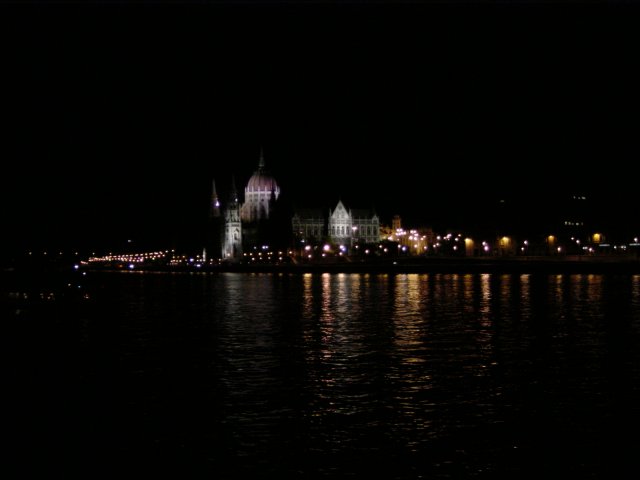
{"x":328,"y":376}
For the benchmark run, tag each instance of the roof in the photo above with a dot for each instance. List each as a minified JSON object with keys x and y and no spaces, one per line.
{"x":362,"y":213}
{"x":310,"y":213}
{"x":262,"y":181}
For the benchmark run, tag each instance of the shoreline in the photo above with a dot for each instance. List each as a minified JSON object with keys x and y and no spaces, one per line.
{"x":550,"y":265}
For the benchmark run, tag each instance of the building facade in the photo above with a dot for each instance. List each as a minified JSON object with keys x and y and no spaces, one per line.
{"x":340,"y":226}
{"x":242,"y":224}
{"x":260,"y":194}
{"x":260,"y":221}
{"x":309,"y":225}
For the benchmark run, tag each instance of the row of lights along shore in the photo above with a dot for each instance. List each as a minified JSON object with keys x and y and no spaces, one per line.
{"x":401,"y":243}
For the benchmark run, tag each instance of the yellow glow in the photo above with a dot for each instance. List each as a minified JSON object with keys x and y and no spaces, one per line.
{"x":597,"y":237}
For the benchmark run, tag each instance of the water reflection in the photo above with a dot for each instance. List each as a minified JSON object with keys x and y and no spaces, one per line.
{"x":524,"y":299}
{"x":410,"y":375}
{"x":485,"y":294}
{"x":307,"y":295}
{"x":401,"y":376}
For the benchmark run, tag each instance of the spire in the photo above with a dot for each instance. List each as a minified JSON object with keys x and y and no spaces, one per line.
{"x":261,"y":161}
{"x":215,"y":202}
{"x":214,"y":195}
{"x":233,"y":194}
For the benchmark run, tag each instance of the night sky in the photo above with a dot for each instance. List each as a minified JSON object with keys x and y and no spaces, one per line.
{"x":435,"y":112}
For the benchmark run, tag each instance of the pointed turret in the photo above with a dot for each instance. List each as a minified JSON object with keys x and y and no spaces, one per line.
{"x":233,"y":193}
{"x":214,"y":211}
{"x":232,"y":239}
{"x":215,"y":226}
{"x":261,"y":161}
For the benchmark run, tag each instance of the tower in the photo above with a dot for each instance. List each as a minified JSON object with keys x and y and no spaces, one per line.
{"x":214,"y":226}
{"x":214,"y":209}
{"x":232,"y":236}
{"x":396,"y":223}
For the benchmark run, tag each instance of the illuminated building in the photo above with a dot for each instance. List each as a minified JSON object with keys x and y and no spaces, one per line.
{"x":260,"y":194}
{"x":413,"y":241}
{"x":232,"y":239}
{"x":260,"y":221}
{"x":238,"y":226}
{"x":340,"y":226}
{"x":309,"y":225}
{"x":574,"y":210}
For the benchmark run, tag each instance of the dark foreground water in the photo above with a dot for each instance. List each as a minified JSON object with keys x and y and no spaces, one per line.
{"x":325,"y":376}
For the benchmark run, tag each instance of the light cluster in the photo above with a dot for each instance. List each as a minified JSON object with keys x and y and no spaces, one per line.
{"x":130,"y":257}
{"x":264,"y":254}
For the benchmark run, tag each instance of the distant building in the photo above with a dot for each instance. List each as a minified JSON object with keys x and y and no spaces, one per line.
{"x":232,"y":235}
{"x":309,"y":225}
{"x":260,"y":221}
{"x":241,"y":225}
{"x":260,"y":194}
{"x":575,"y":210}
{"x":338,"y":226}
{"x":396,"y":223}
{"x":413,"y":241}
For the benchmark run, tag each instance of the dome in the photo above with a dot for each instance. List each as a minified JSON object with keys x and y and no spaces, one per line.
{"x":262,"y":181}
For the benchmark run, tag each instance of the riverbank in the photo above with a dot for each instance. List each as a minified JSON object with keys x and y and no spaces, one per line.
{"x":553,"y":265}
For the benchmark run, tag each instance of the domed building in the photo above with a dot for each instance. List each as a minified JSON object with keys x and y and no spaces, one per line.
{"x":260,"y":194}
{"x":243,"y":225}
{"x":264,"y":220}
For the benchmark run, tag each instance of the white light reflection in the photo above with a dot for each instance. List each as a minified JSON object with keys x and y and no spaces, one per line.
{"x":635,"y":291}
